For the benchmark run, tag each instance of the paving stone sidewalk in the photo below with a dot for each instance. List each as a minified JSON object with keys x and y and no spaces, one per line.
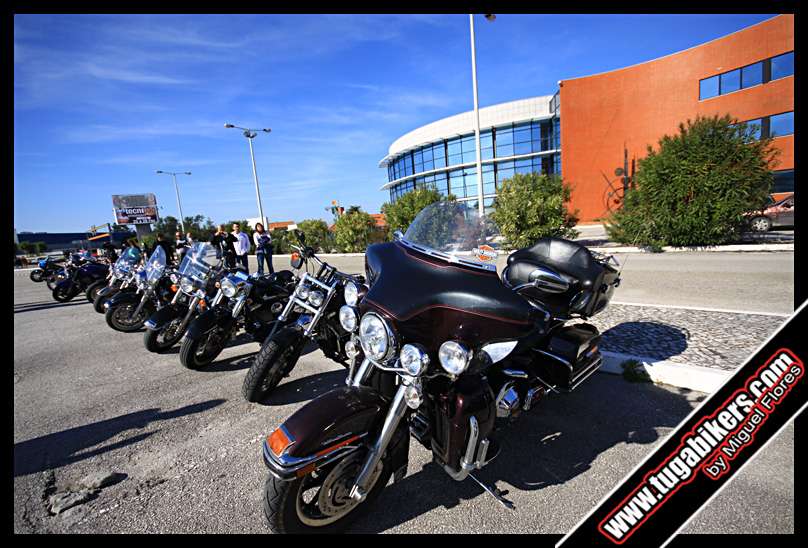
{"x":720,"y":340}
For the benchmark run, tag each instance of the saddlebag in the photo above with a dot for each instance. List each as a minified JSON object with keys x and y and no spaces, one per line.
{"x":570,"y":356}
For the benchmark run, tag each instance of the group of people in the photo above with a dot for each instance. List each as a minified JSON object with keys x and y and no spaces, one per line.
{"x":235,"y":246}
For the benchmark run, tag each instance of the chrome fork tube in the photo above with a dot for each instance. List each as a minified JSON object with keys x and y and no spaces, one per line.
{"x":142,"y":302}
{"x":191,"y":309}
{"x":394,"y":416}
{"x":361,"y":373}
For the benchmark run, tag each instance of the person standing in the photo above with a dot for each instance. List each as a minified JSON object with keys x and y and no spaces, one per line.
{"x":224,"y":246}
{"x":181,"y":245}
{"x":242,"y":245}
{"x":263,"y":248}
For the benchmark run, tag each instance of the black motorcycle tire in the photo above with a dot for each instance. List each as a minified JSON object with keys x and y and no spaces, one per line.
{"x":98,"y":303}
{"x":92,"y":291}
{"x":280,"y":503}
{"x":112,"y":316}
{"x":51,"y":281}
{"x":153,"y":344}
{"x":189,"y":349}
{"x":63,"y":295}
{"x":275,"y":360}
{"x":37,"y":275}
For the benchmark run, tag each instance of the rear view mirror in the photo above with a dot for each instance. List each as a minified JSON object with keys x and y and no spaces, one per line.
{"x":398,"y":235}
{"x":301,"y":237}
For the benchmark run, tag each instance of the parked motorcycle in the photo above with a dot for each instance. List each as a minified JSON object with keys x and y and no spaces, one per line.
{"x":123,"y":277}
{"x":196,"y":284}
{"x":77,"y":275}
{"x":47,"y":267}
{"x":311,"y":314}
{"x":128,"y":311}
{"x":253,"y":303}
{"x":448,"y":352}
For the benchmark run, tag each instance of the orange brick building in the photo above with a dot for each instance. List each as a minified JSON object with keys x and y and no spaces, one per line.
{"x":609,"y":119}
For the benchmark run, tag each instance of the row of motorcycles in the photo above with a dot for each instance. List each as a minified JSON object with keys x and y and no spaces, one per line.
{"x":438,"y":347}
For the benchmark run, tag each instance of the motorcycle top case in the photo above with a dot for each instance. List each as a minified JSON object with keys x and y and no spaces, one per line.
{"x":591,"y":283}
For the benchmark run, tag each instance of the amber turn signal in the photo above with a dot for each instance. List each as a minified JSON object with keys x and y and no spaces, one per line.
{"x":278,"y":441}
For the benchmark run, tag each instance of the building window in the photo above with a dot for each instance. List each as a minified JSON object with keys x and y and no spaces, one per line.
{"x":752,"y":75}
{"x":730,"y":81}
{"x":783,"y":181}
{"x":781,"y":124}
{"x":782,"y":66}
{"x":708,"y":87}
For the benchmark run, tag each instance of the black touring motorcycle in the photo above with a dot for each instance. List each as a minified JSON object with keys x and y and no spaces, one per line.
{"x":312,"y":313}
{"x":195,"y":289}
{"x":448,"y":353}
{"x":252,"y":302}
{"x":79,"y":273}
{"x":122,"y":277}
{"x":127,"y":311}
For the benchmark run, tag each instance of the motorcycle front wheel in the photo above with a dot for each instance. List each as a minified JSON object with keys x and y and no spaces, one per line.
{"x":163,"y":339}
{"x":319,"y":502}
{"x":51,"y":281}
{"x":92,"y":292}
{"x":121,"y":318}
{"x":37,"y":275}
{"x":64,"y":294}
{"x":199,"y":352}
{"x":275,"y":360}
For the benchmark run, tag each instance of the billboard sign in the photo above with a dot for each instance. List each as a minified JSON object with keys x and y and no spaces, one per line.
{"x":135,"y":209}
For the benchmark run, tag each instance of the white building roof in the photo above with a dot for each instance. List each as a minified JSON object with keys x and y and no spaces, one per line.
{"x":463,"y":123}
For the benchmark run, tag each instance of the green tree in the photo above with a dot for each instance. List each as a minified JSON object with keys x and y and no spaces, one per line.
{"x":40,"y":247}
{"x":400,"y":214}
{"x":281,"y":238}
{"x":317,"y":234}
{"x":27,"y":247}
{"x":695,"y":189}
{"x":533,"y":206}
{"x":352,"y":231}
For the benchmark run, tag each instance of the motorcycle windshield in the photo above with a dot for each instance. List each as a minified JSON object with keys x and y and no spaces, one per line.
{"x":455,"y":232}
{"x":198,"y":261}
{"x":156,"y":265}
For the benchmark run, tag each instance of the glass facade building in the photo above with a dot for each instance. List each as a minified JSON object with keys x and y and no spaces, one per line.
{"x":449,"y":163}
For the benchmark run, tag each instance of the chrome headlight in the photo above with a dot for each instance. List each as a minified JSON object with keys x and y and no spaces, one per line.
{"x":302,"y":292}
{"x":375,"y":337}
{"x":316,"y":298}
{"x":174,"y":277}
{"x":348,"y":318}
{"x":351,"y":294}
{"x":414,"y":359}
{"x":454,"y":357}
{"x":186,"y":285}
{"x":229,"y":289}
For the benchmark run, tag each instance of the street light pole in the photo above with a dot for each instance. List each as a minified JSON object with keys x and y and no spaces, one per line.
{"x":476,"y":120}
{"x":177,"y":190}
{"x":250,"y":134}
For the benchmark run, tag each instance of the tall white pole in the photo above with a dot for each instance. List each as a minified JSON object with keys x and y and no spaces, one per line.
{"x":476,"y":119}
{"x":250,"y":136}
{"x":179,"y":207}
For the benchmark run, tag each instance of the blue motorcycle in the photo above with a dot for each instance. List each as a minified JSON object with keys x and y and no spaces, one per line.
{"x":78,"y":279}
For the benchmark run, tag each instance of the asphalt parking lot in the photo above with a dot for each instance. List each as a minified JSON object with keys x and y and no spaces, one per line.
{"x":187,"y":447}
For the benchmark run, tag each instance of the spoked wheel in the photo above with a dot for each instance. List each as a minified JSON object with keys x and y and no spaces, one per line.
{"x":275,"y":360}
{"x":37,"y":275}
{"x":760,"y":224}
{"x":320,"y":501}
{"x":199,"y":352}
{"x":164,"y":339}
{"x":122,"y":318}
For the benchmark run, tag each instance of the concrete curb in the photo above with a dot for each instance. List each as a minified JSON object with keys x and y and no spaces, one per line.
{"x":734,"y":248}
{"x":692,"y":377}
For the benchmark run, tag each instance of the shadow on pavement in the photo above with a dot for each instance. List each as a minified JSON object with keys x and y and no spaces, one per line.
{"x":68,"y":446}
{"x":648,"y":339}
{"x":550,"y":445}
{"x":30,"y":307}
{"x":306,"y":388}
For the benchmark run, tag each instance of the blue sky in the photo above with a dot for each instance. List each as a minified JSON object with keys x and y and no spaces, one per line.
{"x":101,"y":102}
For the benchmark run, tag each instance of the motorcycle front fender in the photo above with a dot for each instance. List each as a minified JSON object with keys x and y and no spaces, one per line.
{"x":65,"y":284}
{"x":328,"y":427}
{"x":123,"y":297}
{"x":107,"y":292}
{"x":160,"y":319}
{"x":207,"y":320}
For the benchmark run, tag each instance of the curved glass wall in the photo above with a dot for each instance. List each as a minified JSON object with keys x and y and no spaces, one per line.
{"x":523,"y":147}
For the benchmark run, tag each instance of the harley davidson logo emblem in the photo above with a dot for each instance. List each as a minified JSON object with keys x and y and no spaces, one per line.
{"x":485,"y":253}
